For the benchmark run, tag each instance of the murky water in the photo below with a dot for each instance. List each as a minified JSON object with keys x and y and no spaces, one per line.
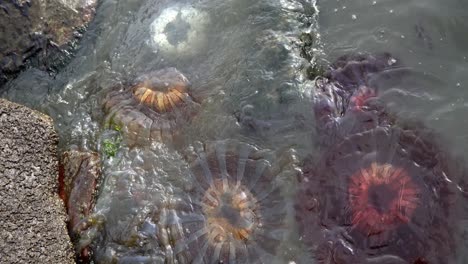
{"x":243,"y":61}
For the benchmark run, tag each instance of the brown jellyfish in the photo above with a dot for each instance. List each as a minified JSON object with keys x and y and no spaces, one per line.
{"x":234,"y":212}
{"x":153,"y":109}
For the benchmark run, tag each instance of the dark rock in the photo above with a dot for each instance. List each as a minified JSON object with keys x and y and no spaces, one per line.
{"x":80,"y":173}
{"x":32,"y":217}
{"x":39,"y":33}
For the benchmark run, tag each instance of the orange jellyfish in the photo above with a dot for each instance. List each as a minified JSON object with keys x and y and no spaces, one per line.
{"x":234,"y":212}
{"x":154,"y":108}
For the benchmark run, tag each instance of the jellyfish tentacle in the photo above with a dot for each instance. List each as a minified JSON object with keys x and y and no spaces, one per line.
{"x":221,"y":155}
{"x":193,"y":237}
{"x":201,"y":253}
{"x":243,"y":156}
{"x":206,"y":170}
{"x":259,"y":170}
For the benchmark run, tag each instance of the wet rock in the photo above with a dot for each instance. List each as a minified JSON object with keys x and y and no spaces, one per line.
{"x":39,"y":33}
{"x":32,"y":217}
{"x":78,"y":181}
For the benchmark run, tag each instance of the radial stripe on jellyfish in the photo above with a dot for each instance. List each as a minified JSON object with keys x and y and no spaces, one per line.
{"x":384,"y":192}
{"x":233,"y":213}
{"x":153,"y":108}
{"x":381,"y":196}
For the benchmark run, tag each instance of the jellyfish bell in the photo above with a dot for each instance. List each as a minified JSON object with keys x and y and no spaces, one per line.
{"x":381,"y":197}
{"x":389,"y":189}
{"x":359,"y":98}
{"x":179,"y":30}
{"x":152,"y":109}
{"x":233,"y":212}
{"x":347,"y":98}
{"x":349,"y":84}
{"x":163,"y":91}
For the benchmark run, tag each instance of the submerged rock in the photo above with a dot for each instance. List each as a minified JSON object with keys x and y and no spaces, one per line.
{"x":32,"y":226}
{"x":80,"y":175}
{"x":39,"y":33}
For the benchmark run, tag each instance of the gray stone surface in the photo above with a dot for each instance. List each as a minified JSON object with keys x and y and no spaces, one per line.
{"x":32,"y":216}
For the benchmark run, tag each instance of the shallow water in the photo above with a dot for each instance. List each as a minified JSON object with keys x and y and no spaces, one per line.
{"x":246,"y":71}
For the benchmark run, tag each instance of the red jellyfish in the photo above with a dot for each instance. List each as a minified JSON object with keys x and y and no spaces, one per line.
{"x":387,"y":191}
{"x":382,"y":189}
{"x":381,"y":197}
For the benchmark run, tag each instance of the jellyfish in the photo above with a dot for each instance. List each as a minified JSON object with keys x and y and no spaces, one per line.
{"x":179,"y":30}
{"x":346,"y":98}
{"x":152,"y":109}
{"x":381,"y":196}
{"x":349,"y":84}
{"x":383,"y":189}
{"x":233,"y":213}
{"x":391,"y":189}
